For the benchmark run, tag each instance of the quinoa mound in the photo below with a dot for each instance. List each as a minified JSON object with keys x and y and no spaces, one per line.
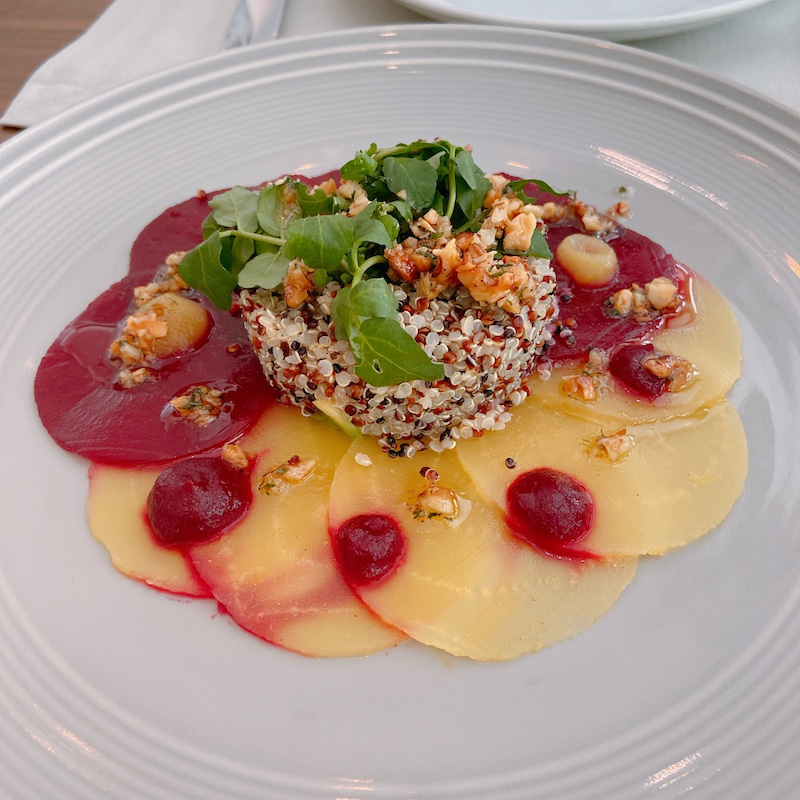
{"x":487,"y":353}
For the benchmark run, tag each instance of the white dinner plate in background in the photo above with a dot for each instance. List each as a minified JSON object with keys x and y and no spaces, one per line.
{"x":617,"y":20}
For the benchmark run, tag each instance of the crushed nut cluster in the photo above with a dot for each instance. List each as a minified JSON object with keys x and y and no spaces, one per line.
{"x":135,"y":345}
{"x":290,"y":473}
{"x":168,"y":281}
{"x":592,"y":382}
{"x":614,"y":447}
{"x":434,"y":501}
{"x":199,"y":405}
{"x":434,"y":259}
{"x":677,"y":371}
{"x":643,"y":303}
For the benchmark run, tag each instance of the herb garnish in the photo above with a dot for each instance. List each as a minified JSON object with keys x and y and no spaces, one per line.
{"x":250,"y":238}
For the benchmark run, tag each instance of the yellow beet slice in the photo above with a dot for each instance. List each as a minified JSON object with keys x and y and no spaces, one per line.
{"x":465,"y":585}
{"x":672,"y":481}
{"x":713,"y":344}
{"x":275,"y":573}
{"x":116,"y":510}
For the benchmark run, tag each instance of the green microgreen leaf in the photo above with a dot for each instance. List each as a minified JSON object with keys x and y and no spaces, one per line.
{"x":210,"y":226}
{"x":236,"y":208}
{"x":202,"y":268}
{"x":317,"y":201}
{"x":321,"y":278}
{"x":520,"y":188}
{"x":412,"y":180}
{"x":387,"y":355}
{"x":366,"y":228}
{"x":539,"y":247}
{"x":322,"y":242}
{"x":470,"y":201}
{"x":242,"y":250}
{"x":374,"y":298}
{"x":266,"y":270}
{"x":404,"y":210}
{"x":277,"y":207}
{"x":468,"y":170}
{"x":362,"y":165}
{"x":366,"y":315}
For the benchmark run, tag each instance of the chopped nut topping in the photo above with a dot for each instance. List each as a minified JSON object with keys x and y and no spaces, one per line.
{"x":553,"y":212}
{"x":353,"y":191}
{"x":616,"y":446}
{"x":328,"y":186}
{"x":622,"y":302}
{"x":297,"y":284}
{"x":660,"y":292}
{"x":597,"y":359}
{"x":280,"y":479}
{"x":643,"y":304}
{"x":621,"y":209}
{"x":233,"y":455}
{"x":435,"y":502}
{"x":135,"y":345}
{"x":169,"y":282}
{"x":519,"y":232}
{"x":678,"y":371}
{"x":128,"y":378}
{"x":200,"y":405}
{"x":580,"y":387}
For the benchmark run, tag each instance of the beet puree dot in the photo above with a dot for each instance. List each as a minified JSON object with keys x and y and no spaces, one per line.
{"x":369,"y":547}
{"x":627,"y":366}
{"x":549,"y":509}
{"x":197,"y":499}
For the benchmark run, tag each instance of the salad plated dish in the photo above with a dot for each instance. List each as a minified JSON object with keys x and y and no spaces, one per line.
{"x":474,"y":381}
{"x":421,"y":306}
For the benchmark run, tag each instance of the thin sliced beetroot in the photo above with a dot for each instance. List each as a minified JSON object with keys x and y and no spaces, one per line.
{"x":640,"y":261}
{"x":88,"y":413}
{"x":196,"y":500}
{"x":76,"y":389}
{"x":550,"y":510}
{"x":368,"y":548}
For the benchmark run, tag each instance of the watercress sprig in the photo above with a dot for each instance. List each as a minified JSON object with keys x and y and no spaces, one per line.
{"x":252,"y":236}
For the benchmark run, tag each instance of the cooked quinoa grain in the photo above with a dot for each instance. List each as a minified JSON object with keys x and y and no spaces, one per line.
{"x":487,"y":354}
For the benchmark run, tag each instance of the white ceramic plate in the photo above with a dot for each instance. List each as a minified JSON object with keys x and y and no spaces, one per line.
{"x":617,"y":20}
{"x":690,"y":684}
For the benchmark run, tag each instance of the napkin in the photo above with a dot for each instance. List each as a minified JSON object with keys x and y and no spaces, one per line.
{"x":131,"y":39}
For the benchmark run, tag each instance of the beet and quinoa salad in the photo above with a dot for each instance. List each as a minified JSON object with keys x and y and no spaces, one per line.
{"x":411,"y":297}
{"x":250,"y":397}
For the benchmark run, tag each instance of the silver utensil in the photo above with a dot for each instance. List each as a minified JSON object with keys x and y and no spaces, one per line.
{"x":254,"y":21}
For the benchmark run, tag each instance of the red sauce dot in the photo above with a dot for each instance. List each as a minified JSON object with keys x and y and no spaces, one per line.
{"x":550,"y":510}
{"x":368,"y":547}
{"x":197,"y":499}
{"x":627,"y":366}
